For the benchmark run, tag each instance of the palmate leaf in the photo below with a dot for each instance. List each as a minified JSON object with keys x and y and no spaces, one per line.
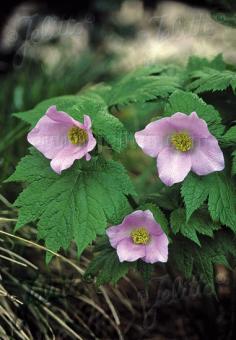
{"x":190,"y":259}
{"x":129,"y":87}
{"x":104,"y":125}
{"x":188,"y":102}
{"x":194,"y":193}
{"x":212,"y":80}
{"x":139,"y":89}
{"x":199,"y":223}
{"x":220,"y":192}
{"x":77,"y":205}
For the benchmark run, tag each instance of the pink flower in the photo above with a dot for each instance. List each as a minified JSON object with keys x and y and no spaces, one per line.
{"x":181,"y":143}
{"x":62,"y":139}
{"x":139,"y":236}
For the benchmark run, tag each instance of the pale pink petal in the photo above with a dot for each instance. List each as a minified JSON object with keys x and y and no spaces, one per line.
{"x":207,"y":157}
{"x":128,"y":251}
{"x":150,"y":223}
{"x":173,"y":166}
{"x":157,"y":249}
{"x":48,"y":136}
{"x":91,"y":143}
{"x":88,"y":157}
{"x":66,"y":157}
{"x":87,"y":122}
{"x":154,"y":137}
{"x":118,"y":233}
{"x":196,"y":126}
{"x":62,"y":117}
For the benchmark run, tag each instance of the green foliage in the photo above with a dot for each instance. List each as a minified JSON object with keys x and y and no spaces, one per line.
{"x":190,"y":259}
{"x":105,"y":265}
{"x":77,"y":205}
{"x":234,"y":163}
{"x":229,"y":138}
{"x":194,"y":193}
{"x":212,"y":80}
{"x":138,"y":88}
{"x":105,"y":125}
{"x":221,"y":197}
{"x":197,"y":63}
{"x":188,"y":102}
{"x":198,"y":223}
{"x":85,"y":199}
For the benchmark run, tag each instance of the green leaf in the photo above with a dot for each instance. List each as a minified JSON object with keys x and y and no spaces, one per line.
{"x":139,"y":89}
{"x":104,"y":125}
{"x":234,"y":163}
{"x":194,"y":193}
{"x":198,"y":223}
{"x":77,"y":205}
{"x":197,"y":63}
{"x":221,"y":197}
{"x":229,"y":138}
{"x":188,"y":102}
{"x":212,"y":80}
{"x":106,"y":267}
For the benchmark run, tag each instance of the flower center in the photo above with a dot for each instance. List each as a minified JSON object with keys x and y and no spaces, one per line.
{"x":140,"y":236}
{"x":77,"y":135}
{"x":181,"y":141}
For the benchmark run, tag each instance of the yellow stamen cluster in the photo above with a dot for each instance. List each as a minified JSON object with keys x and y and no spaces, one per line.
{"x":77,"y":135}
{"x":140,"y":236}
{"x":181,"y":141}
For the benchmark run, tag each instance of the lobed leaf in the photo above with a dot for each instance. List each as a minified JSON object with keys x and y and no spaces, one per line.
{"x":220,"y":192}
{"x":198,"y":223}
{"x":77,"y":205}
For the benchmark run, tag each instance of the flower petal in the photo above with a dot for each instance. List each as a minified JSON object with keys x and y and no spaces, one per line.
{"x":118,"y":233}
{"x":128,"y":251}
{"x":88,"y":157}
{"x":157,"y":249}
{"x":196,"y":126}
{"x":87,"y":122}
{"x":62,"y":117}
{"x":151,"y":224}
{"x":154,"y":137}
{"x":207,"y":157}
{"x":66,"y":157}
{"x":90,"y":145}
{"x":134,"y":220}
{"x":48,"y":136}
{"x":173,"y":166}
